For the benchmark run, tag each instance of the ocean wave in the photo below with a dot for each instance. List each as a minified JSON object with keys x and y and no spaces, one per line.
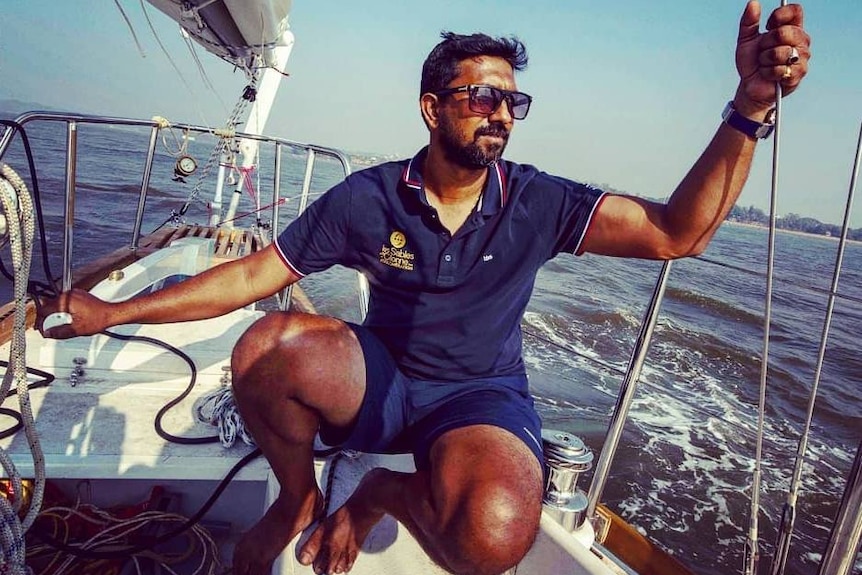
{"x":713,"y":306}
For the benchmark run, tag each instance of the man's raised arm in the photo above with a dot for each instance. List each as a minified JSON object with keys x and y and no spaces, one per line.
{"x":633,"y":227}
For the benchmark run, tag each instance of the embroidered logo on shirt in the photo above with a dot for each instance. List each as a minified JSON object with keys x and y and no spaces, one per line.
{"x":487,"y":257}
{"x":395,"y":255}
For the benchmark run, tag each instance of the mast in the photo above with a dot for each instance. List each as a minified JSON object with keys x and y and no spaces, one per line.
{"x":254,"y":36}
{"x":256,"y":122}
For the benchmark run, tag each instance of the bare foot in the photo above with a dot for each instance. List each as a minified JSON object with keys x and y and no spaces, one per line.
{"x":335,"y":543}
{"x":260,"y":545}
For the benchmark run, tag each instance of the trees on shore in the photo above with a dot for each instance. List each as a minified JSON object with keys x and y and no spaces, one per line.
{"x":793,"y":222}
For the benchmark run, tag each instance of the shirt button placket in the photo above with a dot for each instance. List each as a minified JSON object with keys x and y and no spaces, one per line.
{"x":447,"y":270}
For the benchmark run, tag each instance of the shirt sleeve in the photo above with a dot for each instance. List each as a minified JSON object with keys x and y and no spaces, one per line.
{"x":576,"y":204}
{"x":317,"y":238}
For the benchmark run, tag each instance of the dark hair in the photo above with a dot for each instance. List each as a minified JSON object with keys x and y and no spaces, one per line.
{"x":443,"y":63}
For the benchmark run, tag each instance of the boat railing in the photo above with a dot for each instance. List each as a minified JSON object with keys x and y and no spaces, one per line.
{"x":73,"y":121}
{"x":845,"y":535}
{"x":640,"y":349}
{"x":847,"y":531}
{"x":627,"y":392}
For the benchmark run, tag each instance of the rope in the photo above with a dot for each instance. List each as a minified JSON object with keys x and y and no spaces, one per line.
{"x":112,"y":530}
{"x":218,"y":408}
{"x":256,"y":211}
{"x":330,"y":482}
{"x":18,"y":207}
{"x":12,"y":539}
{"x":114,"y":551}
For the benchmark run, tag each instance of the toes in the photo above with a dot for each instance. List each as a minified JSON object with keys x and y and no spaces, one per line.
{"x":345,"y":564}
{"x":311,"y":549}
{"x":323,"y":562}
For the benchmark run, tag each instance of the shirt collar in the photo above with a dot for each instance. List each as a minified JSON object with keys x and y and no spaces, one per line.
{"x":493,"y":197}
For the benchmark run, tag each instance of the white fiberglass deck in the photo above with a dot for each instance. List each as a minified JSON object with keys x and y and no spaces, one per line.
{"x":103,"y":427}
{"x":102,"y":430}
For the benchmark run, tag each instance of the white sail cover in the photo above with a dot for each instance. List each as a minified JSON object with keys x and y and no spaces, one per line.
{"x":235,"y":30}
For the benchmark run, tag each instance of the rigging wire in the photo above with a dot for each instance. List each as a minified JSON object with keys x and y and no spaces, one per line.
{"x":200,"y":67}
{"x":226,"y":136}
{"x":752,"y":551}
{"x":788,"y":515}
{"x":131,"y":28}
{"x":173,"y":63}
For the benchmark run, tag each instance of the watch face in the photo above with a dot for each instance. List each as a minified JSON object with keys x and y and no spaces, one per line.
{"x":764,"y":131}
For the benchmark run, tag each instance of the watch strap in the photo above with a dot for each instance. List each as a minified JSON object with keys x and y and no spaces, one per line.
{"x":751,"y":128}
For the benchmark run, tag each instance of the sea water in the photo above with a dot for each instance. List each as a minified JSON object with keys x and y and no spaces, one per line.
{"x":683,"y":473}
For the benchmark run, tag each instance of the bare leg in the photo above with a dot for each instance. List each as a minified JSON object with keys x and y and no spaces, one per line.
{"x":475,"y":511}
{"x":290,"y":372}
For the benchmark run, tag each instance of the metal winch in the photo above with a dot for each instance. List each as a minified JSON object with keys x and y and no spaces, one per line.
{"x":566,"y":457}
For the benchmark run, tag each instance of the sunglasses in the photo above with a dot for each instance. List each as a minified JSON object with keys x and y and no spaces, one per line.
{"x":486,"y":99}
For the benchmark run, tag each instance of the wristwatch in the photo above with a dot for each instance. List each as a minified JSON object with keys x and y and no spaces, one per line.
{"x":749,"y":127}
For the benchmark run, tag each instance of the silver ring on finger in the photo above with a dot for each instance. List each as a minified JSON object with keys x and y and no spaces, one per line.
{"x":794,"y":56}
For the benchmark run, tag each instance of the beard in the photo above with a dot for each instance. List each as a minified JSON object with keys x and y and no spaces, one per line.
{"x":475,"y":154}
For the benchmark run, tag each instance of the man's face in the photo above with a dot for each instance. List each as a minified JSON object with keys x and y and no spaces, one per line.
{"x":469,"y":139}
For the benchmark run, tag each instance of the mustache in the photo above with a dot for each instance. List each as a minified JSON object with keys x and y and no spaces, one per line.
{"x":496,"y":129}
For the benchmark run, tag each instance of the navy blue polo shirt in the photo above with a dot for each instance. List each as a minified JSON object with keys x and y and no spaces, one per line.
{"x":448,"y":307}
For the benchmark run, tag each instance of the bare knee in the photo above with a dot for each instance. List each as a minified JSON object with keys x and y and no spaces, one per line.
{"x":274,"y":341}
{"x":308,"y":358}
{"x":493,"y":531}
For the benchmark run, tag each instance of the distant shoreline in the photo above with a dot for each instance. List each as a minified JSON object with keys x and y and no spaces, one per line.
{"x":786,"y":231}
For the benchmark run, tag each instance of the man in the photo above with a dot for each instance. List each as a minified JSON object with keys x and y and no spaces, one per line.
{"x":451,"y":242}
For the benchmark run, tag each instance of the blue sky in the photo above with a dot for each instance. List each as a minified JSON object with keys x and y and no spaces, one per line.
{"x":625,"y":93}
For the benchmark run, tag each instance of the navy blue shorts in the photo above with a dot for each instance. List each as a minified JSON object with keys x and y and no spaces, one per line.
{"x":400,"y":414}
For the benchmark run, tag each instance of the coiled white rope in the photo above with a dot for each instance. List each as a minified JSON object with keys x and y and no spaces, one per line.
{"x":218,"y":408}
{"x":18,"y":207}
